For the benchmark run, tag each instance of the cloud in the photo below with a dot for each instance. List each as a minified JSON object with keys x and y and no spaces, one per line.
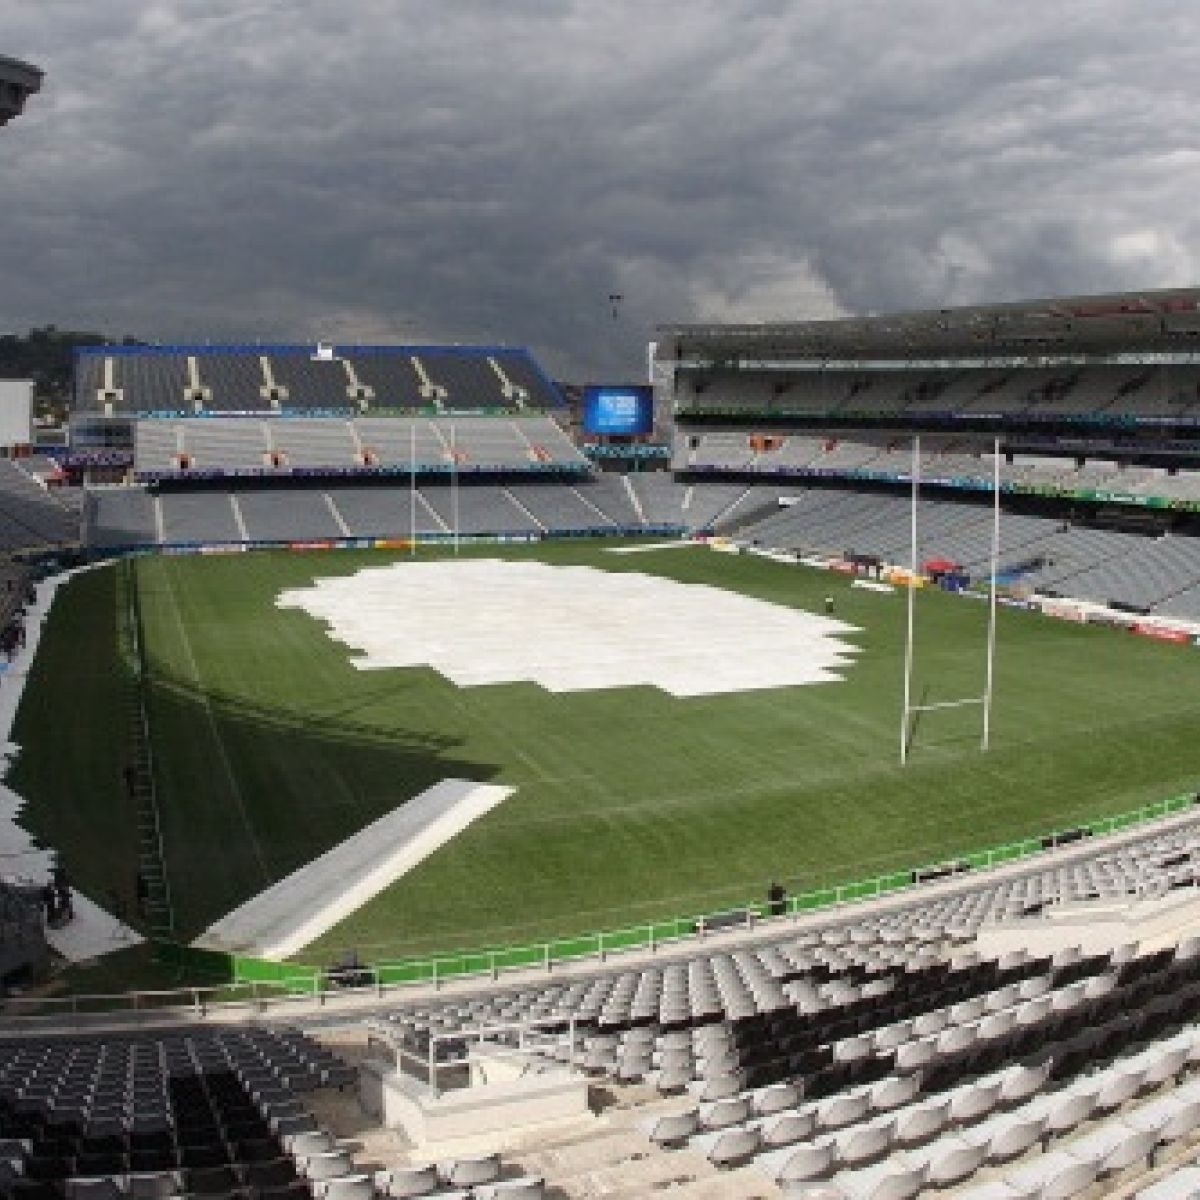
{"x":467,"y":169}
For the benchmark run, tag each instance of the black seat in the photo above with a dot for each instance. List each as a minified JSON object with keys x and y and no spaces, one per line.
{"x":211,"y":1181}
{"x":260,"y":1175}
{"x":204,"y":1157}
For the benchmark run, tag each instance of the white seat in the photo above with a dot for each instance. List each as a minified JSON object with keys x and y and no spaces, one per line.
{"x":1183,"y":1184}
{"x":674,"y":1129}
{"x":782,"y":1129}
{"x":892,"y":1093}
{"x":950,"y":1160}
{"x":864,"y":1143}
{"x":1057,"y":1175}
{"x":775,"y":1098}
{"x":327,"y":1164}
{"x":973,"y":1102}
{"x":842,"y":1110}
{"x":530,"y":1187}
{"x":1010,"y":1138}
{"x":1018,"y":1083}
{"x":1118,"y":1088}
{"x":919,"y":1124}
{"x":723,"y":1113}
{"x":733,"y":1146}
{"x":888,"y":1180}
{"x":469,"y":1171}
{"x":403,"y":1182}
{"x":806,"y":1162}
{"x":347,"y":1187}
{"x":914,"y":1054}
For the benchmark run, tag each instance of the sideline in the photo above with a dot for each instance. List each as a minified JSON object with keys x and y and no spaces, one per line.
{"x":677,"y":544}
{"x":93,"y":931}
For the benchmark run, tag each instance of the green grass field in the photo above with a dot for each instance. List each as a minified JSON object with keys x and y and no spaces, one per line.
{"x":270,"y":748}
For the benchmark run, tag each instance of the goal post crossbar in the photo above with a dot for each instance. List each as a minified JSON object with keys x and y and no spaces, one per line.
{"x":916,"y":708}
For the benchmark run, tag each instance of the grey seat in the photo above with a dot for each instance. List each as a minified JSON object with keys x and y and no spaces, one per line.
{"x":1011,"y":1139}
{"x":675,"y":1129}
{"x":723,"y":1113}
{"x":782,"y":1129}
{"x":733,"y":1147}
{"x":348,"y":1187}
{"x":919,"y":1124}
{"x":93,"y":1189}
{"x":952,"y":1161}
{"x":865,"y":1143}
{"x":892,"y":1093}
{"x":887,"y":1181}
{"x":326,"y":1164}
{"x":973,"y":1102}
{"x":153,"y":1185}
{"x":530,"y":1187}
{"x":842,"y":1110}
{"x":775,"y":1098}
{"x":1056,"y":1176}
{"x":806,"y":1162}
{"x":1118,"y":1088}
{"x":311,"y":1141}
{"x":467,"y":1172}
{"x":403,"y":1182}
{"x":1019,"y":1083}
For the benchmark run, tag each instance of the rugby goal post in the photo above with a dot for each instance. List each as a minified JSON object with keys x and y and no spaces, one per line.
{"x":984,"y":702}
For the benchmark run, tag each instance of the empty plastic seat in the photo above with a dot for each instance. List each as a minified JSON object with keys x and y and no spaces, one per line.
{"x":347,"y":1187}
{"x":469,"y":1171}
{"x":404,"y":1182}
{"x":326,"y":1164}
{"x":671,"y":1130}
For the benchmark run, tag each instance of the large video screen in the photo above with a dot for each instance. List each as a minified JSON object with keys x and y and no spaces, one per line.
{"x":622,"y":411}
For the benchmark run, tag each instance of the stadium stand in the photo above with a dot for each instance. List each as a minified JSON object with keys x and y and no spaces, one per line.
{"x":197,"y":517}
{"x":30,"y":515}
{"x":249,"y":379}
{"x":482,"y":509}
{"x":879,"y":1051}
{"x":876,"y":1051}
{"x":238,"y":445}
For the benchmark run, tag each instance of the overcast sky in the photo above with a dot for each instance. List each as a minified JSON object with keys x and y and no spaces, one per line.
{"x":390,"y":170}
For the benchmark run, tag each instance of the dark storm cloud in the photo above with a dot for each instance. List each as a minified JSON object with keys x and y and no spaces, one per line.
{"x":465,"y":169}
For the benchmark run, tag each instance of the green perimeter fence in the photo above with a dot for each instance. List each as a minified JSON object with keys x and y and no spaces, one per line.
{"x":264,"y":978}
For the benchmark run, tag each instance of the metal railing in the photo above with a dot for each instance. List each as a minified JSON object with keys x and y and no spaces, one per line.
{"x":311,"y":987}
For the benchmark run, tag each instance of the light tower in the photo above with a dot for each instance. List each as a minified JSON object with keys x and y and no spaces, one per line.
{"x":18,"y":80}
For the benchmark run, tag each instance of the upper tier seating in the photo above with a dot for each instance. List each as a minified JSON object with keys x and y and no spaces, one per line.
{"x":1031,"y":393}
{"x":271,"y":378}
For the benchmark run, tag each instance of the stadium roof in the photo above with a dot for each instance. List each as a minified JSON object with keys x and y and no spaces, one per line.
{"x":17,"y":81}
{"x":1118,"y":322}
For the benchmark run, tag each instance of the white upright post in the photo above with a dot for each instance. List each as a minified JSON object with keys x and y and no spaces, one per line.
{"x":454,"y":485}
{"x":991,"y":640}
{"x":912,"y":600}
{"x":412,"y":487}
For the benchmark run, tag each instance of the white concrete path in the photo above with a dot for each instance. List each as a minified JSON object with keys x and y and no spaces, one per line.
{"x":93,"y":931}
{"x":299,"y":908}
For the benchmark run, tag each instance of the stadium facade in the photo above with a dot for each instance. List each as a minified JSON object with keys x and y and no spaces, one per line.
{"x":18,"y":81}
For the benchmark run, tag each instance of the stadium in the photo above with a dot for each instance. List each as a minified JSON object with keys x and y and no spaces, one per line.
{"x":778,"y":779}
